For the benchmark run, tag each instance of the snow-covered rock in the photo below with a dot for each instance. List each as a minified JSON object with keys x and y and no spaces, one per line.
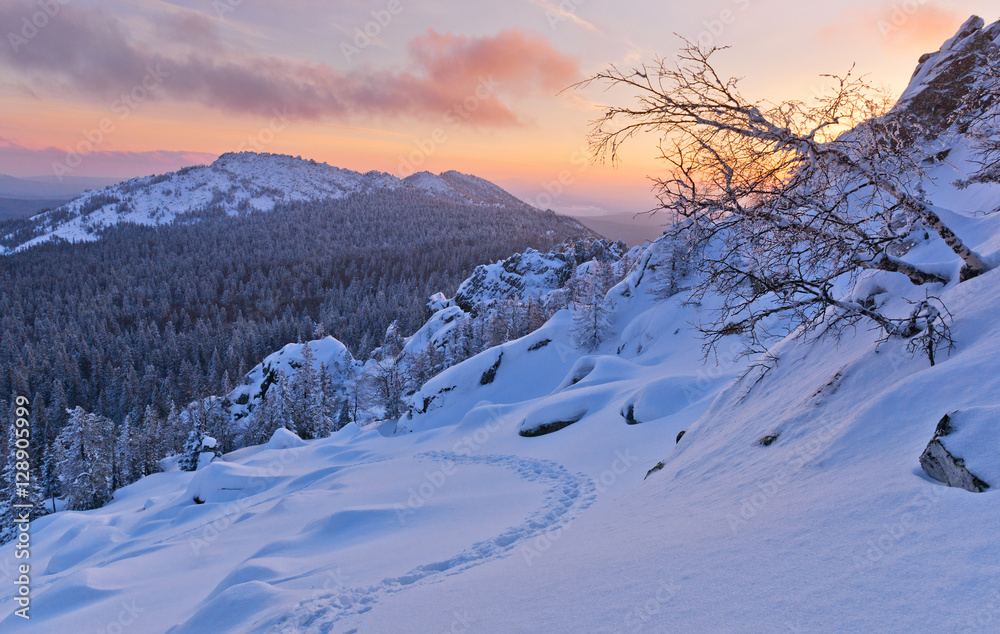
{"x":523,"y":275}
{"x":949,"y":86}
{"x":328,"y":353}
{"x":965,"y":446}
{"x":284,"y":439}
{"x":532,"y":275}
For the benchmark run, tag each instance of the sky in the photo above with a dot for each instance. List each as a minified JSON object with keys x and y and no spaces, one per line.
{"x":121,"y":89}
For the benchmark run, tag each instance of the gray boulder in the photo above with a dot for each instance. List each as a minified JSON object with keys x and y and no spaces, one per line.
{"x":941,"y":460}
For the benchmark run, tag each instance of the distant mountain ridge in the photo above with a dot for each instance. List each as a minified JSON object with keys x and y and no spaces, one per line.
{"x":235,"y":183}
{"x":48,"y":188}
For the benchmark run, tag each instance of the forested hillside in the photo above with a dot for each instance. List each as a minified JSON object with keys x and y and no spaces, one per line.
{"x":155,"y":316}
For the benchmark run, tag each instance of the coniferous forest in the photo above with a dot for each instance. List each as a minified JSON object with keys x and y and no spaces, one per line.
{"x":147,"y":319}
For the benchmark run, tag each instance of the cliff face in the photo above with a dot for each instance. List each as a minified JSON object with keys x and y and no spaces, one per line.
{"x":955,"y":85}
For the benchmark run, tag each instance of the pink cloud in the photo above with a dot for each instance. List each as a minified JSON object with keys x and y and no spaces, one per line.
{"x":88,"y":53}
{"x":922,"y":26}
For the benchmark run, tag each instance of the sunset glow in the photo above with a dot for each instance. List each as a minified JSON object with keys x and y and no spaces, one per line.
{"x":118,"y":89}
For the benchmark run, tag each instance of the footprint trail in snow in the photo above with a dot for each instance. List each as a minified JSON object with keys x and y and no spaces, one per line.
{"x":567,"y":495}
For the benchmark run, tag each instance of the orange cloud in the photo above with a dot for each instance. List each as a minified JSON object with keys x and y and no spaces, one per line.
{"x":917,"y":24}
{"x":926,"y":26}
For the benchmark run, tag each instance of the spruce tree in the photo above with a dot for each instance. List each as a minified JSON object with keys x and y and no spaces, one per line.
{"x":84,"y":452}
{"x":345,"y":415}
{"x":591,"y":314}
{"x":192,"y":450}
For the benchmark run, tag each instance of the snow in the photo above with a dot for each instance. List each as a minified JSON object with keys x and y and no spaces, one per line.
{"x":464,"y":520}
{"x":283,"y":439}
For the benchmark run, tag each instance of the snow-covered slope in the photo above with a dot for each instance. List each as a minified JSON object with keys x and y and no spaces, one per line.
{"x":237,"y":183}
{"x":540,"y":487}
{"x":462,"y":187}
{"x":470,"y":522}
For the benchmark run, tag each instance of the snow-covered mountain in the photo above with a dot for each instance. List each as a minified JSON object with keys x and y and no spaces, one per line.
{"x":636,"y":486}
{"x":233,"y":184}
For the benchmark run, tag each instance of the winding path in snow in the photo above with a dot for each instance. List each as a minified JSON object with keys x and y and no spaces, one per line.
{"x":567,"y":495}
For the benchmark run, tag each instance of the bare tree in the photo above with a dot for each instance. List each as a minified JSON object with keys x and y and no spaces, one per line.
{"x":984,"y":125}
{"x":787,"y":204}
{"x":388,"y":381}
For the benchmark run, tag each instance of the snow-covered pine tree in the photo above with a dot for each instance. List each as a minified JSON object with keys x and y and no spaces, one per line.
{"x":535,"y":315}
{"x":49,"y":477}
{"x":173,"y":430}
{"x":329,"y":396}
{"x":356,"y":390}
{"x":42,"y":436}
{"x":466,"y":343}
{"x":304,"y":402}
{"x":392,"y":342}
{"x":496,"y":327}
{"x":58,"y":409}
{"x":605,"y":276}
{"x":387,"y":383}
{"x":192,"y":450}
{"x":269,"y":415}
{"x":426,"y":364}
{"x":345,"y":416}
{"x":84,"y":448}
{"x":591,"y":314}
{"x":127,"y":450}
{"x":213,"y":419}
{"x":149,"y":442}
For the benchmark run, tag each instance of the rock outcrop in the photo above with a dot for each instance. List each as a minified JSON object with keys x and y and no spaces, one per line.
{"x":942,"y":461}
